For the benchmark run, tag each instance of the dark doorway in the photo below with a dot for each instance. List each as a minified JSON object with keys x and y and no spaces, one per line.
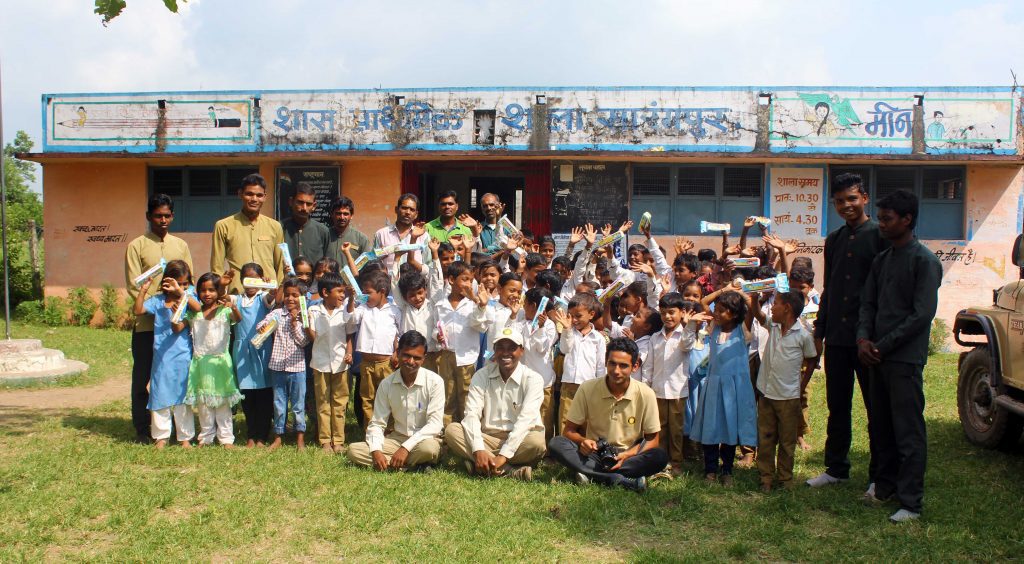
{"x":524,"y":188}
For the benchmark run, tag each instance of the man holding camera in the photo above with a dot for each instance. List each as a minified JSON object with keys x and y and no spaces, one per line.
{"x":611,"y":432}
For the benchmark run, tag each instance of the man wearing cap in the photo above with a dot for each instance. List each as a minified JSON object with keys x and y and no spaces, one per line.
{"x":501,"y":433}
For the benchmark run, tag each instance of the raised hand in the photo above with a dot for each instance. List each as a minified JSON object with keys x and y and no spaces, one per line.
{"x":433,"y":244}
{"x":791,"y":246}
{"x":482,"y":296}
{"x":625,"y":227}
{"x":683,"y":245}
{"x":575,"y":235}
{"x":418,"y":229}
{"x":643,"y":267}
{"x":773,"y":240}
{"x":732,"y":250}
{"x":749,"y":222}
{"x":468,"y":221}
{"x":590,"y":234}
{"x":513,"y":242}
{"x":226,"y":278}
{"x":606,"y":230}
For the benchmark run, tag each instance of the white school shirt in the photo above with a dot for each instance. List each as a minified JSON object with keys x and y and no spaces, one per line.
{"x":779,"y":376}
{"x":643,"y":344}
{"x":810,"y":312}
{"x":667,"y":369}
{"x":508,"y":406}
{"x":423,"y":320}
{"x":331,"y":334}
{"x":462,"y":327}
{"x":499,"y":316}
{"x":417,"y":411}
{"x":661,"y":266}
{"x":537,"y":349}
{"x":378,"y":328}
{"x":584,"y":355}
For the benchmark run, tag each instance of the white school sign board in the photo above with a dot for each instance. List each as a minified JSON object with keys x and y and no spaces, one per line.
{"x":796,"y":201}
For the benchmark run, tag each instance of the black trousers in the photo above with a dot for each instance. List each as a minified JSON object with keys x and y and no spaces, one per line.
{"x":647,"y":463}
{"x":711,"y":455}
{"x":142,"y":366}
{"x":841,"y":365}
{"x":897,"y":412}
{"x":258,"y":407}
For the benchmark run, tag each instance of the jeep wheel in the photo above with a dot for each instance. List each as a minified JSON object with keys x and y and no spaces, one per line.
{"x":984,"y":422}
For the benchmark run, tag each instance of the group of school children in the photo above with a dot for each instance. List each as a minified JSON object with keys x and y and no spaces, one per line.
{"x":729,"y":368}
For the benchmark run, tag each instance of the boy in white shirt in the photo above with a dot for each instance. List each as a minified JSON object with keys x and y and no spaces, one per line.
{"x":419,"y":314}
{"x":378,"y":323}
{"x":461,"y":318}
{"x":667,"y":370}
{"x":801,"y":279}
{"x":508,"y":309}
{"x":789,"y":356}
{"x":582,"y":345}
{"x":538,"y":349}
{"x":331,"y":356}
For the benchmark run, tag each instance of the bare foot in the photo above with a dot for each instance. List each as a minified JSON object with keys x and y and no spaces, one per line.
{"x":746,"y":462}
{"x":186,"y":444}
{"x":300,"y":441}
{"x":327,"y":447}
{"x":228,"y":446}
{"x":260,"y":444}
{"x":160,"y":444}
{"x":276,"y":444}
{"x":339,"y":449}
{"x":804,"y":445}
{"x":250,"y":443}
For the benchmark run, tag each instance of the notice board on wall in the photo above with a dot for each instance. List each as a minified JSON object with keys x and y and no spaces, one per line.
{"x":796,"y":201}
{"x":596,"y":193}
{"x":325,"y":180}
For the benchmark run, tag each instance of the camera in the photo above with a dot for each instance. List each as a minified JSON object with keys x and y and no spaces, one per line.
{"x":606,"y":455}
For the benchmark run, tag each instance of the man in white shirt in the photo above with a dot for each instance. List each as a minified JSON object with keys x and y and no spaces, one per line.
{"x":501,"y":433}
{"x":413,"y":397}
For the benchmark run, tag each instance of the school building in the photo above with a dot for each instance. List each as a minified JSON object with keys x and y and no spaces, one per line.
{"x":558,"y":156}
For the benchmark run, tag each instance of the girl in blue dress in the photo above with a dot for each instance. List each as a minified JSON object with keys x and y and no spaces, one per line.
{"x":172,"y":353}
{"x":251,"y":362}
{"x":726,"y":414}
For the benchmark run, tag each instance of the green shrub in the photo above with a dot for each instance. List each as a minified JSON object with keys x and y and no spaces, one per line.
{"x":30,"y":311}
{"x":937,"y":337}
{"x":110,"y":306}
{"x":55,"y":311}
{"x":127,"y":322}
{"x":82,"y":305}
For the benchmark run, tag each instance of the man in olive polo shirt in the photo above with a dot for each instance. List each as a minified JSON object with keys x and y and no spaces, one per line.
{"x":306,"y":237}
{"x":342,"y":211}
{"x":248,"y":236}
{"x":502,"y":433}
{"x":447,"y":224}
{"x":143,"y":253}
{"x":621,"y":411}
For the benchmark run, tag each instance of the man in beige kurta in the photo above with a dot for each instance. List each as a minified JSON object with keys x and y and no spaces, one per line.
{"x":248,"y":237}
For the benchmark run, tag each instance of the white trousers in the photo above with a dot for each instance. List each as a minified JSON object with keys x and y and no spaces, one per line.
{"x":215,"y":421}
{"x":184,"y":423}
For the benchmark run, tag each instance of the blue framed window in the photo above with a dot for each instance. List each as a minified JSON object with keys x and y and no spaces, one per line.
{"x":201,"y":194}
{"x":679,"y":197}
{"x":940,"y":190}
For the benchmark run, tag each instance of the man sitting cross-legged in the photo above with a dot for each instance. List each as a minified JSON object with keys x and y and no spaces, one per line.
{"x":501,"y":433}
{"x":413,"y":397}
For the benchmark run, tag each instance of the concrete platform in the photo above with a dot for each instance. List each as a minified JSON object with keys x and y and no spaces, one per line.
{"x":24,"y":361}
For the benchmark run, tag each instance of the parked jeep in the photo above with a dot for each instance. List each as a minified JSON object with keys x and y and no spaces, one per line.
{"x":990,"y":389}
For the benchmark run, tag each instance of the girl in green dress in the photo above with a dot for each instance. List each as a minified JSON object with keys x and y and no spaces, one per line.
{"x":211,"y":380}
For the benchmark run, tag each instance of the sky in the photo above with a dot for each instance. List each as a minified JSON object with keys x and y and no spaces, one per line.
{"x":52,"y":46}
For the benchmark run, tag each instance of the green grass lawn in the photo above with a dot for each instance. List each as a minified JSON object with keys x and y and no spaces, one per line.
{"x":74,"y":487}
{"x":106,"y":351}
